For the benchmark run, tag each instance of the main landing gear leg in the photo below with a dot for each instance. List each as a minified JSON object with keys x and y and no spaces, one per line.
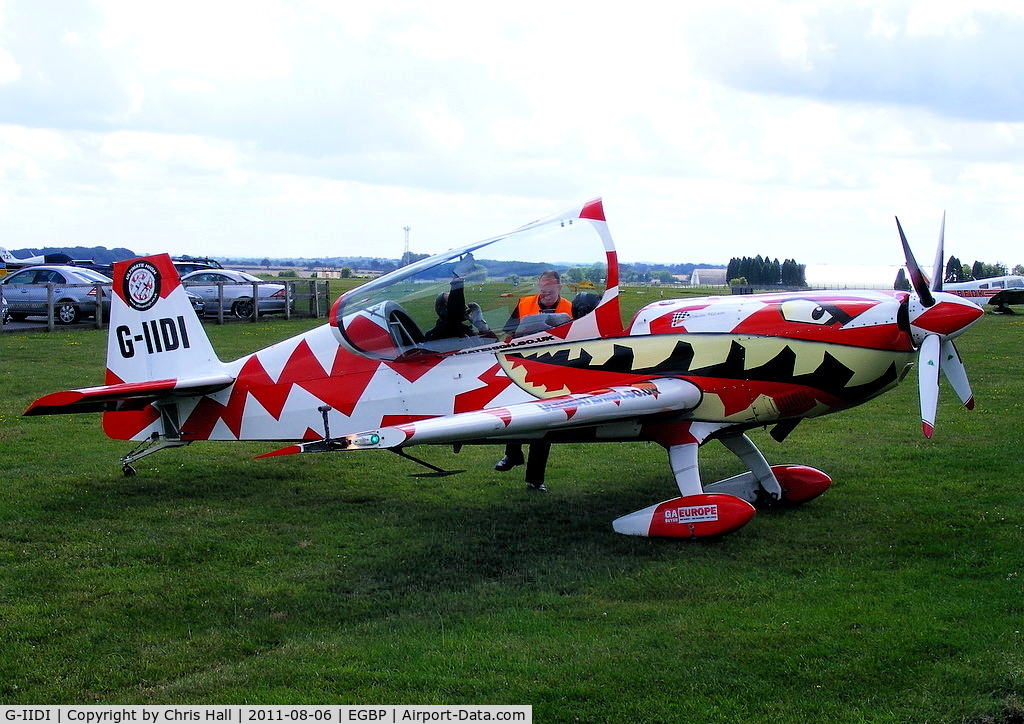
{"x":683,"y":460}
{"x":757,"y":485}
{"x":768,"y":484}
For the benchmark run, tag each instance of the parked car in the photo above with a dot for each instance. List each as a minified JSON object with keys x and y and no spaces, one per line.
{"x":186,"y":264}
{"x":106,"y":270}
{"x":237,"y":292}
{"x":198,"y":305}
{"x":5,"y":313}
{"x":25,"y":292}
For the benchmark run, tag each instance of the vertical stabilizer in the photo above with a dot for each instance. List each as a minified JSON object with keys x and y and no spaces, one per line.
{"x":158,"y":358}
{"x":154,"y":331}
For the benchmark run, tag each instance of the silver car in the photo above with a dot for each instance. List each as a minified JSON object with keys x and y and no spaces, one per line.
{"x":237,"y":291}
{"x":25,"y":292}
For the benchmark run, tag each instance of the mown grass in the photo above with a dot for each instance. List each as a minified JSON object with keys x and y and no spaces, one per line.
{"x":213,"y":578}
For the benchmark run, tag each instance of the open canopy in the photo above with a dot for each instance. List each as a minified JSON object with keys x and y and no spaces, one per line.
{"x":408,"y":312}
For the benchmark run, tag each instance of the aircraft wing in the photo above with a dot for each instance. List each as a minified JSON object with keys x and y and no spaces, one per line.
{"x":625,"y":402}
{"x":134,"y":395}
{"x":1007,"y":296}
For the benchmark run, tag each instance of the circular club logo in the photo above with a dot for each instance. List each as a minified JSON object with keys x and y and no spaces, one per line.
{"x":142,"y":285}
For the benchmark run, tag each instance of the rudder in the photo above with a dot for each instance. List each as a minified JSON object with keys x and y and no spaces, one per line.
{"x":154,"y":331}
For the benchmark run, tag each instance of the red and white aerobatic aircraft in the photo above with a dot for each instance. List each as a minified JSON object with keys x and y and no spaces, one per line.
{"x":681,"y":373}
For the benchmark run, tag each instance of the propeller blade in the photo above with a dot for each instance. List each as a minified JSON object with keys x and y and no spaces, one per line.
{"x":939,"y":268}
{"x":917,"y":277}
{"x":928,"y":381}
{"x":952,"y":366}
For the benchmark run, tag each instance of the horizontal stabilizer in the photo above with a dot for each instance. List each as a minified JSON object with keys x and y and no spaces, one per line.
{"x":106,"y":398}
{"x":627,"y":402}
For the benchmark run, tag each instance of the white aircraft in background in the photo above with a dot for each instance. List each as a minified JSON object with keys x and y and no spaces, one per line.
{"x":1000,"y":292}
{"x":13,"y":262}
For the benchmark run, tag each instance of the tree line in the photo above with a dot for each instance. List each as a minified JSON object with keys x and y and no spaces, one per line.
{"x":958,"y":272}
{"x":760,"y":271}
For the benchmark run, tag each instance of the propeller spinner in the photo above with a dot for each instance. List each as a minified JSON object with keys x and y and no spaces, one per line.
{"x":936,"y":318}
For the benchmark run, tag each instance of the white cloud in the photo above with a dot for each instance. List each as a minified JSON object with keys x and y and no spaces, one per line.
{"x":9,"y":69}
{"x":225,"y":40}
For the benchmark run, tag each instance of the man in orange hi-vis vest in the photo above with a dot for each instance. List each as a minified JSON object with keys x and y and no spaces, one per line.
{"x":534,"y":313}
{"x":547,"y":302}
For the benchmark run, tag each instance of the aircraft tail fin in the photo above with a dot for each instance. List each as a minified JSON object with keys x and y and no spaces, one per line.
{"x":157,"y":351}
{"x":6,"y":256}
{"x":154,"y":331}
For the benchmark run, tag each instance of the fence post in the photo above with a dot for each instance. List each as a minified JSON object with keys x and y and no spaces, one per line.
{"x":255,"y":301}
{"x":49,"y":306}
{"x":99,"y":306}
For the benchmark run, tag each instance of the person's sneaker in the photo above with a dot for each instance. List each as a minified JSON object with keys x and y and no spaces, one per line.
{"x":537,"y":487}
{"x":508,"y":462}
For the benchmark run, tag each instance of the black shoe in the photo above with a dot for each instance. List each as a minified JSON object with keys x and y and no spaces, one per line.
{"x":508,"y":462}
{"x":537,"y":487}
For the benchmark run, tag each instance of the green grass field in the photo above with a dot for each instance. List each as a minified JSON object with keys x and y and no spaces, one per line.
{"x":898,"y":596}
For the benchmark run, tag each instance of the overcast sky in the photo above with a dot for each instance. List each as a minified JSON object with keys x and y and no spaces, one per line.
{"x":322,"y":127}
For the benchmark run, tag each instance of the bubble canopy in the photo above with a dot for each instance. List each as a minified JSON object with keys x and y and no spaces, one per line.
{"x":401,"y":314}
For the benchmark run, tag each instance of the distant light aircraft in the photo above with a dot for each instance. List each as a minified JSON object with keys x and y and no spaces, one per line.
{"x":681,"y":373}
{"x":13,"y":262}
{"x":1000,"y":292}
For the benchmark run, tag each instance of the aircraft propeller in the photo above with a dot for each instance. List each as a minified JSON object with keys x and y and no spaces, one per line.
{"x":936,"y":318}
